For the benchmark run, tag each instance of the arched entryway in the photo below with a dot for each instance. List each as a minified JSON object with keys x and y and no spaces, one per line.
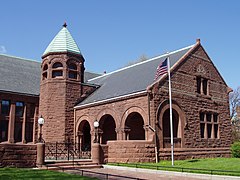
{"x":179,"y":124}
{"x":177,"y":131}
{"x":134,"y":129}
{"x":84,"y":136}
{"x":107,"y":128}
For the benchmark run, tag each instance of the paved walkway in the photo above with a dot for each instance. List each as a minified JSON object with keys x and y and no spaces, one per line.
{"x":146,"y":174}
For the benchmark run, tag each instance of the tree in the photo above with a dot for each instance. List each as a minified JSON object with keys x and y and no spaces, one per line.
{"x":141,"y":58}
{"x":234,"y":100}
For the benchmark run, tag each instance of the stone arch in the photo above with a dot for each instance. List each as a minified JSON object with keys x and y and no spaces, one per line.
{"x":83,"y":133}
{"x":179,"y":123}
{"x":131,"y":110}
{"x":134,"y":127}
{"x":107,"y":129}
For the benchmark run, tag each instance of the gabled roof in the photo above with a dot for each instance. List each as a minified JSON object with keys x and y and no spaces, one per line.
{"x":131,"y":79}
{"x":63,"y":42}
{"x":20,"y":75}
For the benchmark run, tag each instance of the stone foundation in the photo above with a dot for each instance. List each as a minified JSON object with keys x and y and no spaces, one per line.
{"x":194,"y":153}
{"x":18,"y":155}
{"x":131,"y":151}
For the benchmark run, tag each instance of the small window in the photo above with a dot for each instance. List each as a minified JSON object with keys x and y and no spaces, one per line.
{"x":211,"y":125}
{"x":215,"y":130}
{"x":201,"y":117}
{"x":57,"y":65}
{"x":57,"y":73}
{"x":199,"y":85}
{"x":72,"y":71}
{"x":202,"y":86}
{"x":209,"y":117}
{"x":19,"y":109}
{"x":45,"y":67}
{"x":209,"y":130}
{"x":5,"y":107}
{"x":215,"y":118}
{"x":57,"y":70}
{"x":72,"y":67}
{"x":44,"y":73}
{"x":202,"y":128}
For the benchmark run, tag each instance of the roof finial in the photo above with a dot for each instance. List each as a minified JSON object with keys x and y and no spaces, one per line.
{"x":65,"y":24}
{"x":198,"y":40}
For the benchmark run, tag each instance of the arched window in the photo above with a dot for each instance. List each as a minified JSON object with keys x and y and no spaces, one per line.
{"x":44,"y":72}
{"x":72,"y":71}
{"x":57,"y":70}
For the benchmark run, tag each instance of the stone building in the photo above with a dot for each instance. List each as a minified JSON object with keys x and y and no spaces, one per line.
{"x":131,"y":107}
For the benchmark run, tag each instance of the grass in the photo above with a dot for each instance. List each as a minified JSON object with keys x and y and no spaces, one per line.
{"x":22,"y":173}
{"x":205,"y":166}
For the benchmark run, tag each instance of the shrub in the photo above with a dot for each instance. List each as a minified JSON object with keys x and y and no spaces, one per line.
{"x":235,"y":149}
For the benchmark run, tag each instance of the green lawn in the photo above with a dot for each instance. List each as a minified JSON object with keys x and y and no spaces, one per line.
{"x":218,"y":165}
{"x":21,"y":173}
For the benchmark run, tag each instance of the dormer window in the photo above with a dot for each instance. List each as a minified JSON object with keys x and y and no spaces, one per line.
{"x":72,"y":71}
{"x":202,"y":85}
{"x":44,"y":73}
{"x":57,"y":70}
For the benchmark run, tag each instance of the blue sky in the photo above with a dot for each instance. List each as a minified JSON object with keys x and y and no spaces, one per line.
{"x":112,"y":33}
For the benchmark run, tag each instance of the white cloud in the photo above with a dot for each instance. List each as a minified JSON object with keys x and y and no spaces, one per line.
{"x":3,"y":49}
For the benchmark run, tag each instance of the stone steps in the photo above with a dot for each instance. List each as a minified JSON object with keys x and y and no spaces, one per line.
{"x":67,"y":165}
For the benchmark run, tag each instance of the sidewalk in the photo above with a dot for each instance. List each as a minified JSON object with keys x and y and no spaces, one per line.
{"x":147,"y":174}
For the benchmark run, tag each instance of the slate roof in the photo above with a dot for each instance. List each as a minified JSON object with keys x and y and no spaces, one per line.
{"x":63,"y":42}
{"x":131,"y":79}
{"x":20,"y":75}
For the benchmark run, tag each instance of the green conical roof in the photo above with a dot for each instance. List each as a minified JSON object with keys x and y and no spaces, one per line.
{"x":63,"y":42}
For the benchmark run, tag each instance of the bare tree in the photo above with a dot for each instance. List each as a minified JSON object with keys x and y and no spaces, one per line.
{"x":234,"y":100}
{"x":141,"y":58}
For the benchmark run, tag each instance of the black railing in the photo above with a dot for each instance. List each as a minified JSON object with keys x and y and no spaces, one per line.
{"x":65,"y":151}
{"x":180,"y":169}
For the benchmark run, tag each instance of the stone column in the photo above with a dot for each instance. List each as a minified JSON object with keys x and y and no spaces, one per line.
{"x":40,"y":154}
{"x":24,"y":124}
{"x":34,"y":123}
{"x":127,"y":131}
{"x":11,"y":123}
{"x":120,"y":133}
{"x":95,"y":151}
{"x":146,"y":128}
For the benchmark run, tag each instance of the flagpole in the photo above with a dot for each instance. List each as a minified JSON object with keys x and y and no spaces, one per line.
{"x":170,"y":104}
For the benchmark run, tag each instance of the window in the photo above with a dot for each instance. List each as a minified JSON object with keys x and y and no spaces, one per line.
{"x":19,"y":109}
{"x":57,"y":70}
{"x":5,"y":107}
{"x":208,"y":125}
{"x":44,"y":73}
{"x":72,"y":71}
{"x":202,"y":86}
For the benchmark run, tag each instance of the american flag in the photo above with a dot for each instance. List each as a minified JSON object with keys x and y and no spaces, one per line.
{"x":161,"y":69}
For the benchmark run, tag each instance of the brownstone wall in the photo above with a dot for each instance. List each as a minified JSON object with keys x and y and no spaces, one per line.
{"x":58,"y":97}
{"x":17,"y":155}
{"x":119,"y":110}
{"x":184,"y":95}
{"x":131,"y":151}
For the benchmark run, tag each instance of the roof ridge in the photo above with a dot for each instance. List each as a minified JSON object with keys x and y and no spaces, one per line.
{"x":17,"y":57}
{"x":133,"y":65}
